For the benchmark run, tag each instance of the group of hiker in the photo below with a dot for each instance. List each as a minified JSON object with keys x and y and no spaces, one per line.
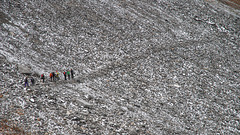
{"x":54,"y":76}
{"x":26,"y":81}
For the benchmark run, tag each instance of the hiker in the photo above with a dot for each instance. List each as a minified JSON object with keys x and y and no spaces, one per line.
{"x":57,"y":75}
{"x":32,"y":81}
{"x":72,"y":73}
{"x":51,"y":76}
{"x":65,"y":76}
{"x":68,"y":73}
{"x":42,"y":77}
{"x":26,"y":82}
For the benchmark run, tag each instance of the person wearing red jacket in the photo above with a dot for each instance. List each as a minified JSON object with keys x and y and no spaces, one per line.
{"x":65,"y":76}
{"x":51,"y":76}
{"x":42,"y":77}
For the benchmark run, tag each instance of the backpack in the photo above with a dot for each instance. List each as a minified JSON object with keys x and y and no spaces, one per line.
{"x":51,"y":75}
{"x":42,"y":76}
{"x":64,"y":73}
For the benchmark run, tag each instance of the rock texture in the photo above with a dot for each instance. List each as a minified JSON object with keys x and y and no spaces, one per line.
{"x":141,"y":67}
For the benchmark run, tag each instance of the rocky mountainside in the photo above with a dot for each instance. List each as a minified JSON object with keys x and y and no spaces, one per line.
{"x":141,"y":67}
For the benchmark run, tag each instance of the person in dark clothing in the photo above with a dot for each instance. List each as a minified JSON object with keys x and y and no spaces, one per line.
{"x":32,"y":81}
{"x":72,"y":73}
{"x":53,"y":73}
{"x":26,"y":82}
{"x":65,"y":76}
{"x":42,"y":77}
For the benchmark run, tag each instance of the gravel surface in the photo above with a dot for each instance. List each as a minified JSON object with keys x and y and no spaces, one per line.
{"x":141,"y":67}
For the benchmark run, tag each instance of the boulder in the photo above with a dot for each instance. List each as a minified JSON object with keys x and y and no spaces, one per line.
{"x":24,"y":70}
{"x":84,"y":103}
{"x":133,"y":132}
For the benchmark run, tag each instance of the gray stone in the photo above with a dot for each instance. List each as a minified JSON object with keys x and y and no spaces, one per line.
{"x":84,"y":103}
{"x":32,"y":100}
{"x":24,"y":70}
{"x":133,"y":132}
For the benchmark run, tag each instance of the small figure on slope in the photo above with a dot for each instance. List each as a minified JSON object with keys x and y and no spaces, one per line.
{"x":26,"y":82}
{"x":72,"y":73}
{"x":42,"y":77}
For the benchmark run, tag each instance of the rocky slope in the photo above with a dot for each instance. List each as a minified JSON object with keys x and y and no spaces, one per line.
{"x":142,"y":67}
